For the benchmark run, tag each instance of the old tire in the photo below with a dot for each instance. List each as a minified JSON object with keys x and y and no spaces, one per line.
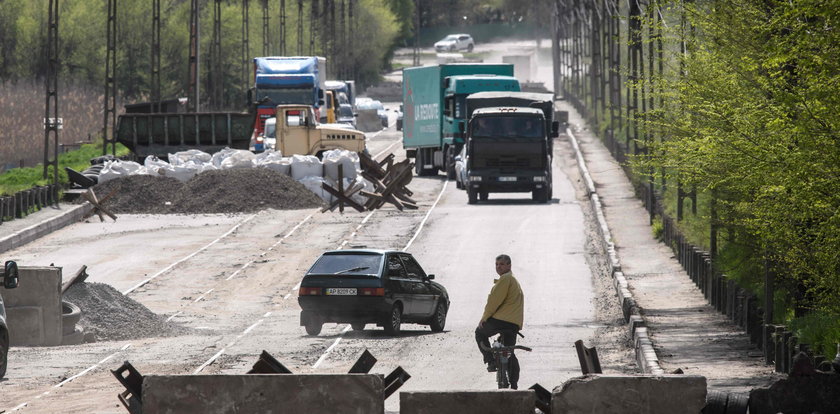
{"x":737,"y":403}
{"x":358,"y":326}
{"x":313,"y":327}
{"x":392,"y":325}
{"x":715,"y":402}
{"x":70,"y":315}
{"x":472,"y":195}
{"x":439,"y":318}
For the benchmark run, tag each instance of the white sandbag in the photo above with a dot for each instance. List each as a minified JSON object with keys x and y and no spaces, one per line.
{"x":306,"y":166}
{"x":267,"y":156}
{"x":239,"y":159}
{"x":220,"y":156}
{"x":193,"y":156}
{"x":117,"y":169}
{"x":182,"y":174}
{"x":349,"y":160}
{"x":283,"y":165}
{"x":313,"y":183}
{"x":156,"y":166}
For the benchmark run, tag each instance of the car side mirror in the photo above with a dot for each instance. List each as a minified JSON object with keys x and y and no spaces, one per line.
{"x":430,"y":277}
{"x":10,"y":275}
{"x":555,"y":129}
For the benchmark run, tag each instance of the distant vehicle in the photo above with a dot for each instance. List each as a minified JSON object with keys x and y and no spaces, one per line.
{"x":10,"y":281}
{"x":374,"y":104}
{"x":455,"y":42}
{"x":400,"y":118}
{"x":461,"y":169}
{"x":345,"y":115}
{"x":384,"y":287}
{"x":296,"y":132}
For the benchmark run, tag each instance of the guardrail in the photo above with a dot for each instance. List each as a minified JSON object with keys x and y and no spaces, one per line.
{"x":25,"y":202}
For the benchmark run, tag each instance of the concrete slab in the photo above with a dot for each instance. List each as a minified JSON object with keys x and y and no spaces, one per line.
{"x":34,"y":307}
{"x":16,"y":233}
{"x":459,"y":402}
{"x":263,"y":393}
{"x":625,"y":394}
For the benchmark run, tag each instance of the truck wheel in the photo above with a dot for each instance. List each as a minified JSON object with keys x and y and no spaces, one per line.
{"x":484,"y":195}
{"x":4,"y":354}
{"x":540,"y":195}
{"x":472,"y":195}
{"x":449,"y":164}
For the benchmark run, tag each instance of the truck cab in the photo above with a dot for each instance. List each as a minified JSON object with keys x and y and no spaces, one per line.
{"x":10,"y":281}
{"x":297,"y":132}
{"x":508,"y":149}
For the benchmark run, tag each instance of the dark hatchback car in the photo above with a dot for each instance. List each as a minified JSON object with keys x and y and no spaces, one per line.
{"x":359,"y":287}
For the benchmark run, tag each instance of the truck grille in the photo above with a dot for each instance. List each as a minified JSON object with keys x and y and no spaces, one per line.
{"x":508,"y":162}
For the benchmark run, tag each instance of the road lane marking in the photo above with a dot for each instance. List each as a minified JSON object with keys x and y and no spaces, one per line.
{"x":422,"y":223}
{"x":82,"y":373}
{"x":327,"y":352}
{"x":222,"y":351}
{"x":168,"y":268}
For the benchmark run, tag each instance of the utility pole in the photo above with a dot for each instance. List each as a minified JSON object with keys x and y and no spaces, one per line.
{"x":246,"y":53}
{"x":109,"y":120}
{"x":194,"y":89}
{"x":155,"y":69}
{"x":51,"y":125}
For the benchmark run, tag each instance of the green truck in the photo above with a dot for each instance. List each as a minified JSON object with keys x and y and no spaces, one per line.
{"x":434,"y":103}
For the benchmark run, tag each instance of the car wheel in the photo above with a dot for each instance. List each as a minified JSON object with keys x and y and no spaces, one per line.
{"x":458,"y":184}
{"x":4,"y":355}
{"x":313,"y":328}
{"x":472,"y":195}
{"x":439,"y":318}
{"x":470,"y":47}
{"x":358,"y":326}
{"x":392,"y":325}
{"x":484,"y":195}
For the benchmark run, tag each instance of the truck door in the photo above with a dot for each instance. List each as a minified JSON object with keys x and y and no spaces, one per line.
{"x":296,"y":131}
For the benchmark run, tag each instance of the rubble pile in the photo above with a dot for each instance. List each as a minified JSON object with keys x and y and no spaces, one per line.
{"x":111,"y":316}
{"x":214,"y":191}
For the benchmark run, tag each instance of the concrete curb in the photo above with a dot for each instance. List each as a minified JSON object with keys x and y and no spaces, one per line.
{"x":35,"y":231}
{"x":646,"y":358}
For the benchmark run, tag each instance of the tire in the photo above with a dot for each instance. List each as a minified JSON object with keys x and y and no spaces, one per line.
{"x":458,"y":184}
{"x":540,"y":195}
{"x":470,"y":48}
{"x":70,"y":316}
{"x":484,"y":195}
{"x":358,"y":326}
{"x":502,"y":376}
{"x":449,"y":164}
{"x":439,"y":318}
{"x":715,"y":402}
{"x":392,"y":325}
{"x":4,"y":354}
{"x":737,"y":403}
{"x":313,"y":328}
{"x":472,"y":195}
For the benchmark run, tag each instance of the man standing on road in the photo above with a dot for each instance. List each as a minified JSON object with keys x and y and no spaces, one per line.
{"x":502,"y":314}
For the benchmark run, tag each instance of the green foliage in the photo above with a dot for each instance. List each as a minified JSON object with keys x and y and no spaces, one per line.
{"x":657,"y":229}
{"x":822,"y":332}
{"x":18,"y":179}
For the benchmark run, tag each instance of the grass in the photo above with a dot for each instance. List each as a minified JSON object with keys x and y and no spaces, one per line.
{"x":18,"y":179}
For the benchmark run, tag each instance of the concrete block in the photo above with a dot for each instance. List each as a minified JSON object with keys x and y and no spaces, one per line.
{"x":626,"y":394}
{"x":39,"y":287}
{"x":459,"y":402}
{"x":263,"y":393}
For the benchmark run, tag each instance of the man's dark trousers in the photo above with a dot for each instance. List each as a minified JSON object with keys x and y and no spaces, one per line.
{"x":492,"y":327}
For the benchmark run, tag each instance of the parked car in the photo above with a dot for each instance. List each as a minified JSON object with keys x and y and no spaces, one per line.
{"x":454,"y":42}
{"x":358,"y":287}
{"x":377,"y":105}
{"x":10,"y":281}
{"x":461,"y":169}
{"x":346,"y":115}
{"x":400,"y":118}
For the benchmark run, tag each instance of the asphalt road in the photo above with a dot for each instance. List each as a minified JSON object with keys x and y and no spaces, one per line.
{"x":232,"y":279}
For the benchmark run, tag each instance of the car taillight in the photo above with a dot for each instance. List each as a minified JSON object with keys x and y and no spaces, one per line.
{"x":372,"y":292}
{"x":309,"y":291}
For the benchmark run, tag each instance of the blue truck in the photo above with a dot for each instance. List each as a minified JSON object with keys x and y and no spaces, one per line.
{"x":434,"y":103}
{"x":282,"y":80}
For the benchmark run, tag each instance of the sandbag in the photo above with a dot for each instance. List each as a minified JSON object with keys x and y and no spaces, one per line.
{"x":193,"y":156}
{"x":314,"y":184}
{"x":306,"y":166}
{"x":117,"y":169}
{"x":349,"y":160}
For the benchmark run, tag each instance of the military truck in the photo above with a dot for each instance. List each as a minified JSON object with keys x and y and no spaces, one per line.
{"x":509,"y":148}
{"x":294,"y":131}
{"x":434,"y":99}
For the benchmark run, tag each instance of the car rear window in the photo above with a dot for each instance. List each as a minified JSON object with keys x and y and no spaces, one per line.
{"x":347,"y":264}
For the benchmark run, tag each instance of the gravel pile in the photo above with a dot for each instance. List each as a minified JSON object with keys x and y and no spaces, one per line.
{"x":218,"y":191}
{"x":111,"y":316}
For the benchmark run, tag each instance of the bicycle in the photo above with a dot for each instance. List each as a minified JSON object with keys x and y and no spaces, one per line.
{"x":502,"y":355}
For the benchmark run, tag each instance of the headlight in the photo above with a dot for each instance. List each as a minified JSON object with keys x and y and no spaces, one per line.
{"x":539,"y":178}
{"x":475,"y":178}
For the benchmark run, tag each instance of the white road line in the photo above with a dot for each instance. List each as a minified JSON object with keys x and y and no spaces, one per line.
{"x":168,"y":268}
{"x":422,"y":223}
{"x":327,"y":352}
{"x":222,"y":351}
{"x":83,"y":372}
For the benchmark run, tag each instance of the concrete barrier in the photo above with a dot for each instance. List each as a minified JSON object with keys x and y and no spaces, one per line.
{"x":459,"y":402}
{"x":33,"y":309}
{"x":41,"y":229}
{"x":263,"y":393}
{"x":626,"y":394}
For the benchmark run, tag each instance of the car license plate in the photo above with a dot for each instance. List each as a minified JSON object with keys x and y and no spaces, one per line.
{"x":507,"y":178}
{"x":341,"y":291}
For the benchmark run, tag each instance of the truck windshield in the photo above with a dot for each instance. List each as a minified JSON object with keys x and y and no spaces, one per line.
{"x":347,"y":264}
{"x":287,"y":96}
{"x":269,"y":129}
{"x":507,"y":126}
